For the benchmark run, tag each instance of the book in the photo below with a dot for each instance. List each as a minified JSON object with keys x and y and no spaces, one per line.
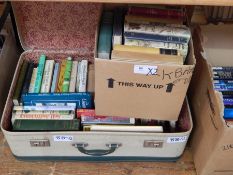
{"x":107,"y":120}
{"x":39,"y":74}
{"x":61,"y":75}
{"x":78,"y":77}
{"x":220,"y":68}
{"x":85,"y":112}
{"x":148,"y":20}
{"x":46,"y":125}
{"x":222,"y":82}
{"x":67,"y":73}
{"x":82,"y":100}
{"x":228,"y":113}
{"x":73,"y":76}
{"x":19,"y":84}
{"x":182,"y":48}
{"x":159,"y":29}
{"x":33,"y":80}
{"x":105,"y":35}
{"x":47,"y":76}
{"x":45,"y":108}
{"x":146,"y":58}
{"x":27,"y":78}
{"x":91,"y":78}
{"x":155,"y":37}
{"x":228,"y":101}
{"x":155,"y":12}
{"x":55,"y":77}
{"x":42,"y":115}
{"x":149,"y":50}
{"x":125,"y":128}
{"x":223,"y":87}
{"x":222,"y":75}
{"x":83,"y":76}
{"x":118,"y":23}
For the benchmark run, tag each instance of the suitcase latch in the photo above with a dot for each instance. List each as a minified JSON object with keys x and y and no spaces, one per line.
{"x":39,"y":143}
{"x":153,"y":144}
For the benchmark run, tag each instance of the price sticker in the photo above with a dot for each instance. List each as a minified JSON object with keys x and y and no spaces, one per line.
{"x":63,"y":138}
{"x":177,"y":139}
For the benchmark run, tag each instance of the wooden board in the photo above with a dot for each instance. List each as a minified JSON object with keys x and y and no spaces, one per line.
{"x":10,"y":165}
{"x":175,"y":2}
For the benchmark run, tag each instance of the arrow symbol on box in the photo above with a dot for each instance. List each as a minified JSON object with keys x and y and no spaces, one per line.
{"x":169,"y":87}
{"x":110,"y":82}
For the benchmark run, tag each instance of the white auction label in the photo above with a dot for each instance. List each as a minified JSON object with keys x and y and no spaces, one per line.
{"x":177,"y":139}
{"x":145,"y":69}
{"x":63,"y":138}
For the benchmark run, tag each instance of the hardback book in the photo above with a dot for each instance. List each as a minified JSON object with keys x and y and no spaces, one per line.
{"x":47,"y":76}
{"x":19,"y":85}
{"x":124,"y":128}
{"x":149,"y":20}
{"x":61,"y":75}
{"x":33,"y":80}
{"x":91,"y":78}
{"x":67,"y":74}
{"x":106,"y":120}
{"x":85,"y":112}
{"x":42,"y":115}
{"x":46,"y":125}
{"x":105,"y":35}
{"x":118,"y":24}
{"x":149,"y":50}
{"x":182,"y":48}
{"x":39,"y":75}
{"x":83,"y":76}
{"x":27,"y":78}
{"x":73,"y":76}
{"x":146,"y":58}
{"x":55,"y":77}
{"x":82,"y":100}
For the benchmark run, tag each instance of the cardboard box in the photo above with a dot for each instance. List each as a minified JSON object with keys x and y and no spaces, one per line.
{"x":141,"y":90}
{"x":212,"y":139}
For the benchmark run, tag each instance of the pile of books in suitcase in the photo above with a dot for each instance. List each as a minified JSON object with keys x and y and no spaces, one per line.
{"x":223,"y":82}
{"x":144,"y":34}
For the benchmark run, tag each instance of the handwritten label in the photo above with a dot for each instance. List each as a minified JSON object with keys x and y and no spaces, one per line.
{"x":63,"y":138}
{"x":177,"y":139}
{"x":145,"y":69}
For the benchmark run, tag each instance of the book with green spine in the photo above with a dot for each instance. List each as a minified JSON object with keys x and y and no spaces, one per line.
{"x":39,"y":74}
{"x":20,"y":81}
{"x":46,"y":125}
{"x":66,"y":82}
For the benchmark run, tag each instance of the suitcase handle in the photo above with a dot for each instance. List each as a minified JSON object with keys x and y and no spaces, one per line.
{"x":97,"y":152}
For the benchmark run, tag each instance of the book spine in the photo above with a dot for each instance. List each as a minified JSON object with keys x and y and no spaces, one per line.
{"x":154,"y":37}
{"x":226,"y":87}
{"x":222,"y":82}
{"x":55,"y":77}
{"x":154,"y":12}
{"x":47,"y":76}
{"x":19,"y":85}
{"x":219,"y":68}
{"x":73,"y":76}
{"x":83,"y":76}
{"x":33,"y":80}
{"x":45,"y":108}
{"x":61,"y":76}
{"x":105,"y":36}
{"x":228,"y":101}
{"x":87,"y":120}
{"x":78,"y":77}
{"x":118,"y":22}
{"x":91,"y":78}
{"x":228,"y":113}
{"x":66,"y":82}
{"x":27,"y":79}
{"x":85,"y":112}
{"x":46,"y":125}
{"x":159,"y":29}
{"x":39,"y":74}
{"x":225,"y":75}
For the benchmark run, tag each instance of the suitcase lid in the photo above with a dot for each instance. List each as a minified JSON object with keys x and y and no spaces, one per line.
{"x":57,"y":25}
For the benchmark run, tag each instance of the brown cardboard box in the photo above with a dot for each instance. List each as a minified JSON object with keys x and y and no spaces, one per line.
{"x":141,"y":90}
{"x":212,"y":140}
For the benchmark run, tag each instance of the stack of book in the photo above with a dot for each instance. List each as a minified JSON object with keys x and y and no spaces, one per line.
{"x":47,"y":94}
{"x":144,"y":34}
{"x":219,"y":13}
{"x":223,"y":82}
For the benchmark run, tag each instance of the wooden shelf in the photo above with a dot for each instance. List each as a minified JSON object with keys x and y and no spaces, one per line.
{"x":172,"y":2}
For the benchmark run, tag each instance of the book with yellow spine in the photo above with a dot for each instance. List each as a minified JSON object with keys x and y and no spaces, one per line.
{"x":61,"y":76}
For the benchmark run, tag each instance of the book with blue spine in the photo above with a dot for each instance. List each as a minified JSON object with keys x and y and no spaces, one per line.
{"x":155,"y":37}
{"x":82,"y":100}
{"x":105,"y":35}
{"x":39,"y":74}
{"x":228,"y":101}
{"x":228,"y":113}
{"x":222,"y":82}
{"x":55,"y":77}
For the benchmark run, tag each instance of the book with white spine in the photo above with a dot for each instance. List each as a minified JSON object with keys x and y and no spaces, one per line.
{"x":73,"y":76}
{"x":83,"y":76}
{"x":47,"y":76}
{"x":78,"y":77}
{"x":33,"y":80}
{"x":55,"y":77}
{"x":45,"y":108}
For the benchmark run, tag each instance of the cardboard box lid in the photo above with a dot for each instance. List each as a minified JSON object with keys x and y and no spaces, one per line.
{"x":57,"y":25}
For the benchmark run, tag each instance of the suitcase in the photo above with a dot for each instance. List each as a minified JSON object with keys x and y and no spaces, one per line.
{"x":77,"y":39}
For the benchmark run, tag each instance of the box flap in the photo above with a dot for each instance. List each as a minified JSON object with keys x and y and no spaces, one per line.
{"x":57,"y":25}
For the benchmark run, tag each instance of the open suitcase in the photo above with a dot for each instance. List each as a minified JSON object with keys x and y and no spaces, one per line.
{"x":69,"y":29}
